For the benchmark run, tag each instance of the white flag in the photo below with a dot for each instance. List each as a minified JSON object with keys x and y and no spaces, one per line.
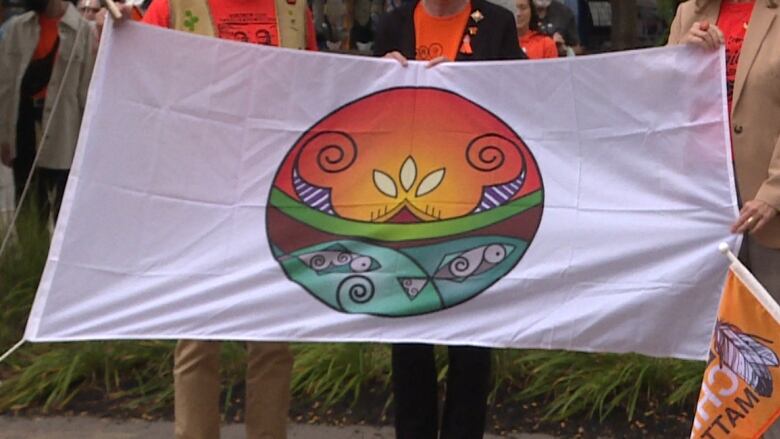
{"x":228,"y":191}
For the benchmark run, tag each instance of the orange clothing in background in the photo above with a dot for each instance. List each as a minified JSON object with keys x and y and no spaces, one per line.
{"x":438,"y":36}
{"x":538,"y":46}
{"x":250,"y":22}
{"x":49,"y":35}
{"x":47,"y":42}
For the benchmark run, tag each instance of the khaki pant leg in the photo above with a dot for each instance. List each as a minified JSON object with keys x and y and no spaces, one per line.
{"x":196,"y":389}
{"x":268,"y":373}
{"x":765,"y":264}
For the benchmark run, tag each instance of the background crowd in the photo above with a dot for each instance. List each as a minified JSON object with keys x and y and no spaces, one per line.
{"x":547,"y":28}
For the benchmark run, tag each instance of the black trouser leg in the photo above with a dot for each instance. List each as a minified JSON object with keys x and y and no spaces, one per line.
{"x":468,"y":384}
{"x":415,"y":391}
{"x":25,"y":146}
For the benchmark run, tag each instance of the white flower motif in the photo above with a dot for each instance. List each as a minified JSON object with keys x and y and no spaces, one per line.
{"x":385,"y":184}
{"x":407,"y":177}
{"x":430,"y":182}
{"x":408,"y":173}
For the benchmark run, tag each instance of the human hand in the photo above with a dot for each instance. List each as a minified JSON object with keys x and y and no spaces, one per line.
{"x":558,"y":38}
{"x":398,"y":57}
{"x":5,"y":153}
{"x":704,"y":35}
{"x":436,"y":61}
{"x":125,"y":11}
{"x":755,"y":214}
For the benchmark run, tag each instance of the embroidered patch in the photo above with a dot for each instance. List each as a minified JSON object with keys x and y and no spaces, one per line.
{"x":190,"y":20}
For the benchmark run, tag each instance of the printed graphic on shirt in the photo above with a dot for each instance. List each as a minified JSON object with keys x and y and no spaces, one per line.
{"x":429,"y":52}
{"x":733,"y":21}
{"x":733,"y":50}
{"x":440,"y":36}
{"x":256,"y":28}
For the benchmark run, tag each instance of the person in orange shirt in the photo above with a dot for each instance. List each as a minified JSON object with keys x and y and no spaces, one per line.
{"x":535,"y":44}
{"x":196,"y":363}
{"x":439,"y":31}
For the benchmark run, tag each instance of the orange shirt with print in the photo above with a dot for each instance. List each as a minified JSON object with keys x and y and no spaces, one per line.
{"x":238,"y":20}
{"x":538,"y":46}
{"x":733,"y":20}
{"x":438,"y":36}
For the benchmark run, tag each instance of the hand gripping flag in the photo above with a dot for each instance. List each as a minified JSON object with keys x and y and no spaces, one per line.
{"x":740,"y":396}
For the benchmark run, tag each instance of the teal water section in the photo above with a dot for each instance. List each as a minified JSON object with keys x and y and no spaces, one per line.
{"x":380,"y":290}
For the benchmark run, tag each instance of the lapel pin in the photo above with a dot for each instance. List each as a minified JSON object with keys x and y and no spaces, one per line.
{"x":465,"y":47}
{"x":477,"y":16}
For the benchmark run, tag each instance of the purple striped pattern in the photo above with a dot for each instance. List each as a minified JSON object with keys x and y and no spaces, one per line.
{"x":499,"y":195}
{"x":312,"y":196}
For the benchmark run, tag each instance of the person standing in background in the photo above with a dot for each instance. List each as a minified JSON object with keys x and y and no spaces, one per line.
{"x":89,"y":9}
{"x":557,"y":21}
{"x":439,"y":31}
{"x":535,"y":44}
{"x":284,"y":23}
{"x":46,"y":61}
{"x":750,"y":31}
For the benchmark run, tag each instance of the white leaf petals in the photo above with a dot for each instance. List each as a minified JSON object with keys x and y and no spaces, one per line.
{"x":385,"y":184}
{"x":408,"y":173}
{"x":407,"y":177}
{"x":430,"y":182}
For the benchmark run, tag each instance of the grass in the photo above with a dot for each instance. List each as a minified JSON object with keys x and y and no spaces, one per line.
{"x":137,"y":375}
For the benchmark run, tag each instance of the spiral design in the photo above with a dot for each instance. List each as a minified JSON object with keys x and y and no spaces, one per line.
{"x":436,"y":50}
{"x":335,"y":151}
{"x":461,"y":266}
{"x":489,"y":152}
{"x":358,"y":289}
{"x":343,"y":258}
{"x":318,"y":262}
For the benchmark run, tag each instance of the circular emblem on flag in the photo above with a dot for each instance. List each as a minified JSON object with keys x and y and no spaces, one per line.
{"x":404,"y":202}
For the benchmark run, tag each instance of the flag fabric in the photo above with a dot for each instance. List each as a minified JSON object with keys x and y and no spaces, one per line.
{"x":740,"y":394}
{"x":227,"y":191}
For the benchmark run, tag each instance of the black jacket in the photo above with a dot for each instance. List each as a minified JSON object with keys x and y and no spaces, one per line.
{"x":495,"y":37}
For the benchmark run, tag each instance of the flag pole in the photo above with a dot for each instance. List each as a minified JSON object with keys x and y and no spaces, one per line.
{"x":12,"y":350}
{"x":754,"y":286}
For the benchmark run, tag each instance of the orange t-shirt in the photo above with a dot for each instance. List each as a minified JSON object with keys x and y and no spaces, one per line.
{"x":733,"y":20}
{"x":538,"y":46}
{"x":438,"y":36}
{"x":48,"y":38}
{"x":251,"y":21}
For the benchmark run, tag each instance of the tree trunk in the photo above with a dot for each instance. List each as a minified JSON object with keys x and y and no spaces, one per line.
{"x":625,"y":15}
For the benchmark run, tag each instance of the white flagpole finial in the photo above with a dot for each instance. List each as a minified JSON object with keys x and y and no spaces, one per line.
{"x":726,"y":250}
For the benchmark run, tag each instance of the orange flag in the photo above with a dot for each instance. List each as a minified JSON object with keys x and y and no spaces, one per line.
{"x":740,"y":391}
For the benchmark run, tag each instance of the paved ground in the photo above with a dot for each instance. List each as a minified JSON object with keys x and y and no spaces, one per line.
{"x":94,"y":428}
